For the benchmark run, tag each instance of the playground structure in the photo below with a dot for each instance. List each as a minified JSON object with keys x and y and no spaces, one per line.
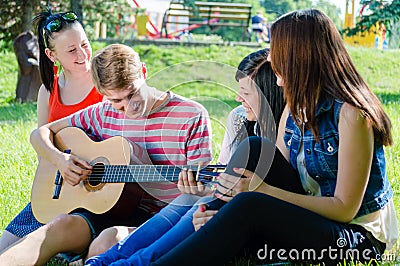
{"x":209,"y":14}
{"x":168,"y":19}
{"x":144,"y":25}
{"x":374,"y":37}
{"x":142,"y":22}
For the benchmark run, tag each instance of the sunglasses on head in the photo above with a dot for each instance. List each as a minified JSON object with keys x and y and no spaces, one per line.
{"x":53,"y":23}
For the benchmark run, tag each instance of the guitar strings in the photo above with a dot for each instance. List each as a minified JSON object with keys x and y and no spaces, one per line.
{"x":100,"y":177}
{"x":142,"y":177}
{"x":146,"y":172}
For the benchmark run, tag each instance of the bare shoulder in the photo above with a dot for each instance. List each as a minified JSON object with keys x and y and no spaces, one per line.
{"x":43,"y":92}
{"x":353,"y":121}
{"x":352,"y":115}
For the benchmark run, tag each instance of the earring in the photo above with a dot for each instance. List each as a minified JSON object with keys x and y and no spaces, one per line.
{"x":144,"y":70}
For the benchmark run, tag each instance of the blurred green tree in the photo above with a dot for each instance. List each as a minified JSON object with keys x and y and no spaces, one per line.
{"x":16,"y":15}
{"x":387,"y":12}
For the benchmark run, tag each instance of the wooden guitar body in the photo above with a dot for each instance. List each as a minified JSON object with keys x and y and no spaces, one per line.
{"x":115,"y":161}
{"x":97,"y":198}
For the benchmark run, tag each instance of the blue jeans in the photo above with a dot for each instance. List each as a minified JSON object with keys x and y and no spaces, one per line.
{"x":155,"y":237}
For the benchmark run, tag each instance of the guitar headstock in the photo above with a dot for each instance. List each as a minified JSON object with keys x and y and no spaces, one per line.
{"x":209,"y":173}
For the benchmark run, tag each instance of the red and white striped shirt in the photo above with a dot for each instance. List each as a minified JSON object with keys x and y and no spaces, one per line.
{"x":178,"y":132}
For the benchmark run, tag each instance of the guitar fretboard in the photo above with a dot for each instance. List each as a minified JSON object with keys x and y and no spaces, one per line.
{"x":149,"y":173}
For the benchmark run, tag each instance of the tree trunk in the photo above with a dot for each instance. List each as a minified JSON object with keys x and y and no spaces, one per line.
{"x":77,"y":6}
{"x":26,"y":49}
{"x":26,"y":16}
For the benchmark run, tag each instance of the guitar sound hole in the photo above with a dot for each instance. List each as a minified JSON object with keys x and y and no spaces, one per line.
{"x":95,"y":178}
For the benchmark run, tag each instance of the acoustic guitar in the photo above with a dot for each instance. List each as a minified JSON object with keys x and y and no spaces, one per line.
{"x":111,"y":170}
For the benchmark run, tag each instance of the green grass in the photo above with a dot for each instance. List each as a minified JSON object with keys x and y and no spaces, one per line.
{"x":216,"y":90}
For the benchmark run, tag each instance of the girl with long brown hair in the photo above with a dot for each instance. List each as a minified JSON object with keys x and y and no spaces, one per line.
{"x":332,"y":133}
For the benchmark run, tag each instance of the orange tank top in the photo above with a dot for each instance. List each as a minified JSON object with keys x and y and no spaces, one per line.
{"x":59,"y":110}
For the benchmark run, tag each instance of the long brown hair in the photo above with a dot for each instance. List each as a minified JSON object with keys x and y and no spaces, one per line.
{"x":310,"y":56}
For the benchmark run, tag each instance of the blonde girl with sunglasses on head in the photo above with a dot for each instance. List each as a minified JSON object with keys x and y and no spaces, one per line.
{"x":62,"y":41}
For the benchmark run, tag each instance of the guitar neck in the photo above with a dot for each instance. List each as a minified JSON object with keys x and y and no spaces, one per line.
{"x":148,"y":173}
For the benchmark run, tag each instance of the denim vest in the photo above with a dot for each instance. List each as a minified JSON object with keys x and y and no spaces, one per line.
{"x":322,"y":157}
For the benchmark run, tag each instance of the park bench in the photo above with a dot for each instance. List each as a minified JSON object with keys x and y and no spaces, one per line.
{"x":211,"y":14}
